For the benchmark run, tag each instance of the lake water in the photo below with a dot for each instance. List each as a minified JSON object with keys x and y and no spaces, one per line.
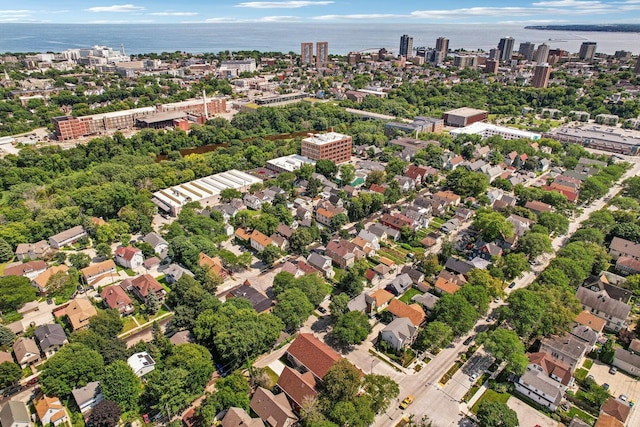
{"x":342,"y":38}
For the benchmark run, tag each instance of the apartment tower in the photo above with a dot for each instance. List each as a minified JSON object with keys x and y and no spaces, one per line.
{"x":542,"y":54}
{"x":406,"y":46}
{"x":328,"y":146}
{"x":587,"y":51}
{"x":506,"y":48}
{"x":322,"y":53}
{"x":306,"y":53}
{"x":526,"y":49}
{"x":541,"y":75}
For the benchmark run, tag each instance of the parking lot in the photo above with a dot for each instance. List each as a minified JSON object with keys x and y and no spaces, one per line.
{"x":620,"y":383}
{"x":528,"y":416}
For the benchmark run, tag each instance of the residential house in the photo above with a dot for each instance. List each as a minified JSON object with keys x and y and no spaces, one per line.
{"x":159,"y":245}
{"x":599,"y":303}
{"x":214,"y":264}
{"x":405,"y":183}
{"x":444,"y":286}
{"x":490,"y":250}
{"x":274,"y":410}
{"x":260,"y":302}
{"x":448,"y":197}
{"x":520,"y":224}
{"x":379,"y":231}
{"x":67,"y":237}
{"x":381,"y":299}
{"x":50,"y":338}
{"x":565,"y":349}
{"x":538,"y":207}
{"x":129,"y":257}
{"x":255,"y":201}
{"x":98,"y":271}
{"x":115,"y":298}
{"x":143,"y":286}
{"x":364,"y":246}
{"x":586,"y":334}
{"x":480,"y":263}
{"x":238,"y":417}
{"x":308,"y":353}
{"x":420,"y":217}
{"x":545,"y":380}
{"x":6,"y":357}
{"x":400,"y":333}
{"x":400,"y":284}
{"x":299,"y":388}
{"x":616,"y":408}
{"x":15,"y":414}
{"x":79,"y":311}
{"x":41,"y":281}
{"x":242,"y":235}
{"x":343,"y":253}
{"x":416,"y":276}
{"x":284,"y":230}
{"x":396,"y":221}
{"x":454,"y":162}
{"x":322,"y":263}
{"x":606,"y":420}
{"x":29,"y":269}
{"x":458,"y":266}
{"x":174,"y":272}
{"x":456,"y":278}
{"x":230,"y":209}
{"x":624,"y":248}
{"x":32,"y":250}
{"x":585,"y":318}
{"x":87,"y":397}
{"x":419,"y":173}
{"x":327,"y":212}
{"x":627,"y":265}
{"x":385,"y":269}
{"x":299,"y":268}
{"x":427,"y":300}
{"x":259,"y":241}
{"x":628,"y":361}
{"x":450,"y":226}
{"x":364,"y":303}
{"x":26,"y":352}
{"x":303,"y":213}
{"x":413,"y":312}
{"x":371,"y":238}
{"x":372,"y":276}
{"x":141,"y":363}
{"x":464,"y":214}
{"x":51,"y":411}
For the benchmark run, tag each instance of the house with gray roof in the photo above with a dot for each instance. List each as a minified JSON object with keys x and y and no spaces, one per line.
{"x":599,"y":303}
{"x":15,"y":414}
{"x":67,"y":237}
{"x":627,"y":361}
{"x":88,"y":396}
{"x":427,"y":300}
{"x":159,"y":245}
{"x":565,"y":349}
{"x":399,"y":333}
{"x":322,"y":263}
{"x":174,"y":272}
{"x":50,"y":338}
{"x":400,"y":284}
{"x":26,"y":351}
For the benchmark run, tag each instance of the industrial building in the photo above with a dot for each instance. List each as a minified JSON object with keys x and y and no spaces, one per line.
{"x":204,"y":190}
{"x":461,"y":117}
{"x":289,"y":163}
{"x":419,"y":124}
{"x":328,"y":146}
{"x":485,"y":130}
{"x":613,"y":140}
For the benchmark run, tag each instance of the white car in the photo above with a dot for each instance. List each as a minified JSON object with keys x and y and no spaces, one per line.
{"x":473,"y":377}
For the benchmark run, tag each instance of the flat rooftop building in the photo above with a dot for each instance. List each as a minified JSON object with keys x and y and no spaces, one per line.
{"x":289,"y":163}
{"x":328,"y":146}
{"x":204,"y":190}
{"x":461,"y":117}
{"x":485,"y":130}
{"x":613,"y":140}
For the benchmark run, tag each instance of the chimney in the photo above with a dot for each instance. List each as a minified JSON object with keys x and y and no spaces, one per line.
{"x":204,"y":103}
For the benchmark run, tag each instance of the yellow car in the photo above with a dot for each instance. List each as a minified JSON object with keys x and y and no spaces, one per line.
{"x":407,"y":401}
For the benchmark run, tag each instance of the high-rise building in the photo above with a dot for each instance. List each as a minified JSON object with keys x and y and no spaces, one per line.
{"x":637,"y":68}
{"x":541,"y":75}
{"x":354,"y":57}
{"x":464,"y":61}
{"x":494,"y":54}
{"x":421,"y":52}
{"x":542,"y":54}
{"x":622,"y":54}
{"x":328,"y":146}
{"x":587,"y":51}
{"x":526,"y":49}
{"x":506,"y":48}
{"x":322,"y":53}
{"x":442,"y":44}
{"x":306,"y":53}
{"x":491,"y":66}
{"x":406,"y":46}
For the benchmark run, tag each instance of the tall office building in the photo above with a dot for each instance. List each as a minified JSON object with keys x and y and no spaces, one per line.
{"x":526,"y":49}
{"x":322,"y":53}
{"x":587,"y":51}
{"x":506,"y":48}
{"x":542,"y":54}
{"x":442,"y":44}
{"x":330,"y":146}
{"x":306,"y":53}
{"x":541,"y":75}
{"x":406,"y":46}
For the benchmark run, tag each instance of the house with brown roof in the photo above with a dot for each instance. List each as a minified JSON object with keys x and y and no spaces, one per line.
{"x":418,"y":173}
{"x":413,"y":312}
{"x":372,"y":277}
{"x":396,"y":221}
{"x":259,"y":241}
{"x":624,"y":248}
{"x":30,"y":269}
{"x":115,"y":298}
{"x":98,"y":271}
{"x":214,"y":264}
{"x":448,"y":197}
{"x":41,"y":281}
{"x":143,"y":286}
{"x":382,"y":298}
{"x":545,"y":380}
{"x":308,"y":353}
{"x":32,"y":250}
{"x":616,"y":408}
{"x":242,"y":235}
{"x":129,"y":257}
{"x":444,"y":286}
{"x":26,"y":351}
{"x":606,"y":420}
{"x":538,"y":207}
{"x":238,"y":417}
{"x":343,"y":253}
{"x":274,"y":410}
{"x":67,"y":237}
{"x":79,"y":311}
{"x":299,"y":388}
{"x":591,"y":320}
{"x":51,"y":411}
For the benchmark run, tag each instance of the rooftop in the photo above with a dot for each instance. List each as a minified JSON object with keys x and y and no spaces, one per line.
{"x":325,"y":138}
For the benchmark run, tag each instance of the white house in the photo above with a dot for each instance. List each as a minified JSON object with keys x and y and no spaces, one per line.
{"x":88,"y":396}
{"x":51,"y":411}
{"x":159,"y":245}
{"x":129,"y":257}
{"x":545,"y":380}
{"x":399,"y":333}
{"x":141,"y":363}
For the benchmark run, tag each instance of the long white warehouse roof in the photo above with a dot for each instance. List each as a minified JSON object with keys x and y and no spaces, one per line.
{"x":487,"y":129}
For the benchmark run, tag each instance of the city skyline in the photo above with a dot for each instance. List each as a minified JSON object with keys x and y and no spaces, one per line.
{"x":411,"y":11}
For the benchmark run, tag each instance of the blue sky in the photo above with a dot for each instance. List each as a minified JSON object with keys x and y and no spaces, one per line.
{"x":364,"y":11}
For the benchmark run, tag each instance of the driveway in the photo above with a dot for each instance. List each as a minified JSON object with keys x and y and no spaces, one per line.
{"x":529,"y":417}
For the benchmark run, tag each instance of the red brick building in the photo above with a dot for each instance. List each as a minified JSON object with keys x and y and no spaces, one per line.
{"x":328,"y":146}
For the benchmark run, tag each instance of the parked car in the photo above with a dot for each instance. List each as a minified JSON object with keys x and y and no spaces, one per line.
{"x":469,"y":340}
{"x":512,"y":285}
{"x":613,"y":370}
{"x":322,"y":310}
{"x":473,"y":377}
{"x":605,"y":386}
{"x":623,"y":397}
{"x":145,"y":418}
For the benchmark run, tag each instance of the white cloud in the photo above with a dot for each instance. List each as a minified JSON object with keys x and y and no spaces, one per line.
{"x":567,"y":3}
{"x":116,"y":8}
{"x":169,"y":13}
{"x":121,"y":21}
{"x":276,"y":18}
{"x":358,"y":16}
{"x":282,"y":4}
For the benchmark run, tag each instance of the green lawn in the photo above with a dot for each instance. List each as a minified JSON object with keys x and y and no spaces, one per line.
{"x":581,"y":374}
{"x":574,"y":411}
{"x":588,"y":363}
{"x":490,"y":396}
{"x":406,"y":298}
{"x":129,"y":324}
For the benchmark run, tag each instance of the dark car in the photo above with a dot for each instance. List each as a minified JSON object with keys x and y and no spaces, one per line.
{"x":322,"y":310}
{"x":469,"y":340}
{"x":11,"y":390}
{"x":512,"y":285}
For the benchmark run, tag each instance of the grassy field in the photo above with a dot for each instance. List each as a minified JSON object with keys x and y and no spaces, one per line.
{"x":129,"y":324}
{"x":582,"y":415}
{"x":490,"y":396}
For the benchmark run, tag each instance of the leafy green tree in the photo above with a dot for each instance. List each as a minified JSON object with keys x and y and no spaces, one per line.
{"x":455,"y":311}
{"x":338,"y":221}
{"x":15,"y":291}
{"x":10,"y":373}
{"x":347,"y":174}
{"x":505,"y":345}
{"x":466,"y":183}
{"x":357,"y":413}
{"x":74,"y":365}
{"x":382,"y":390}
{"x":196,"y":360}
{"x":535,"y":244}
{"x":152,"y":304}
{"x":6,"y":253}
{"x":338,"y":305}
{"x":7,"y":337}
{"x":512,"y":265}
{"x":351,"y":328}
{"x":326,"y":168}
{"x":105,"y":414}
{"x":492,"y":225}
{"x":228,"y":194}
{"x":107,"y":323}
{"x":434,"y":336}
{"x":554,"y":222}
{"x":231,"y":391}
{"x":167,"y":390}
{"x":477,"y":296}
{"x":110,"y":348}
{"x":293,"y":308}
{"x":482,"y":278}
{"x":430,"y":265}
{"x":79,"y":260}
{"x":269,"y":254}
{"x":597,"y":395}
{"x":341,"y":382}
{"x":103,"y":250}
{"x":589,"y":234}
{"x":496,"y":414}
{"x":374,"y":177}
{"x":119,"y":384}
